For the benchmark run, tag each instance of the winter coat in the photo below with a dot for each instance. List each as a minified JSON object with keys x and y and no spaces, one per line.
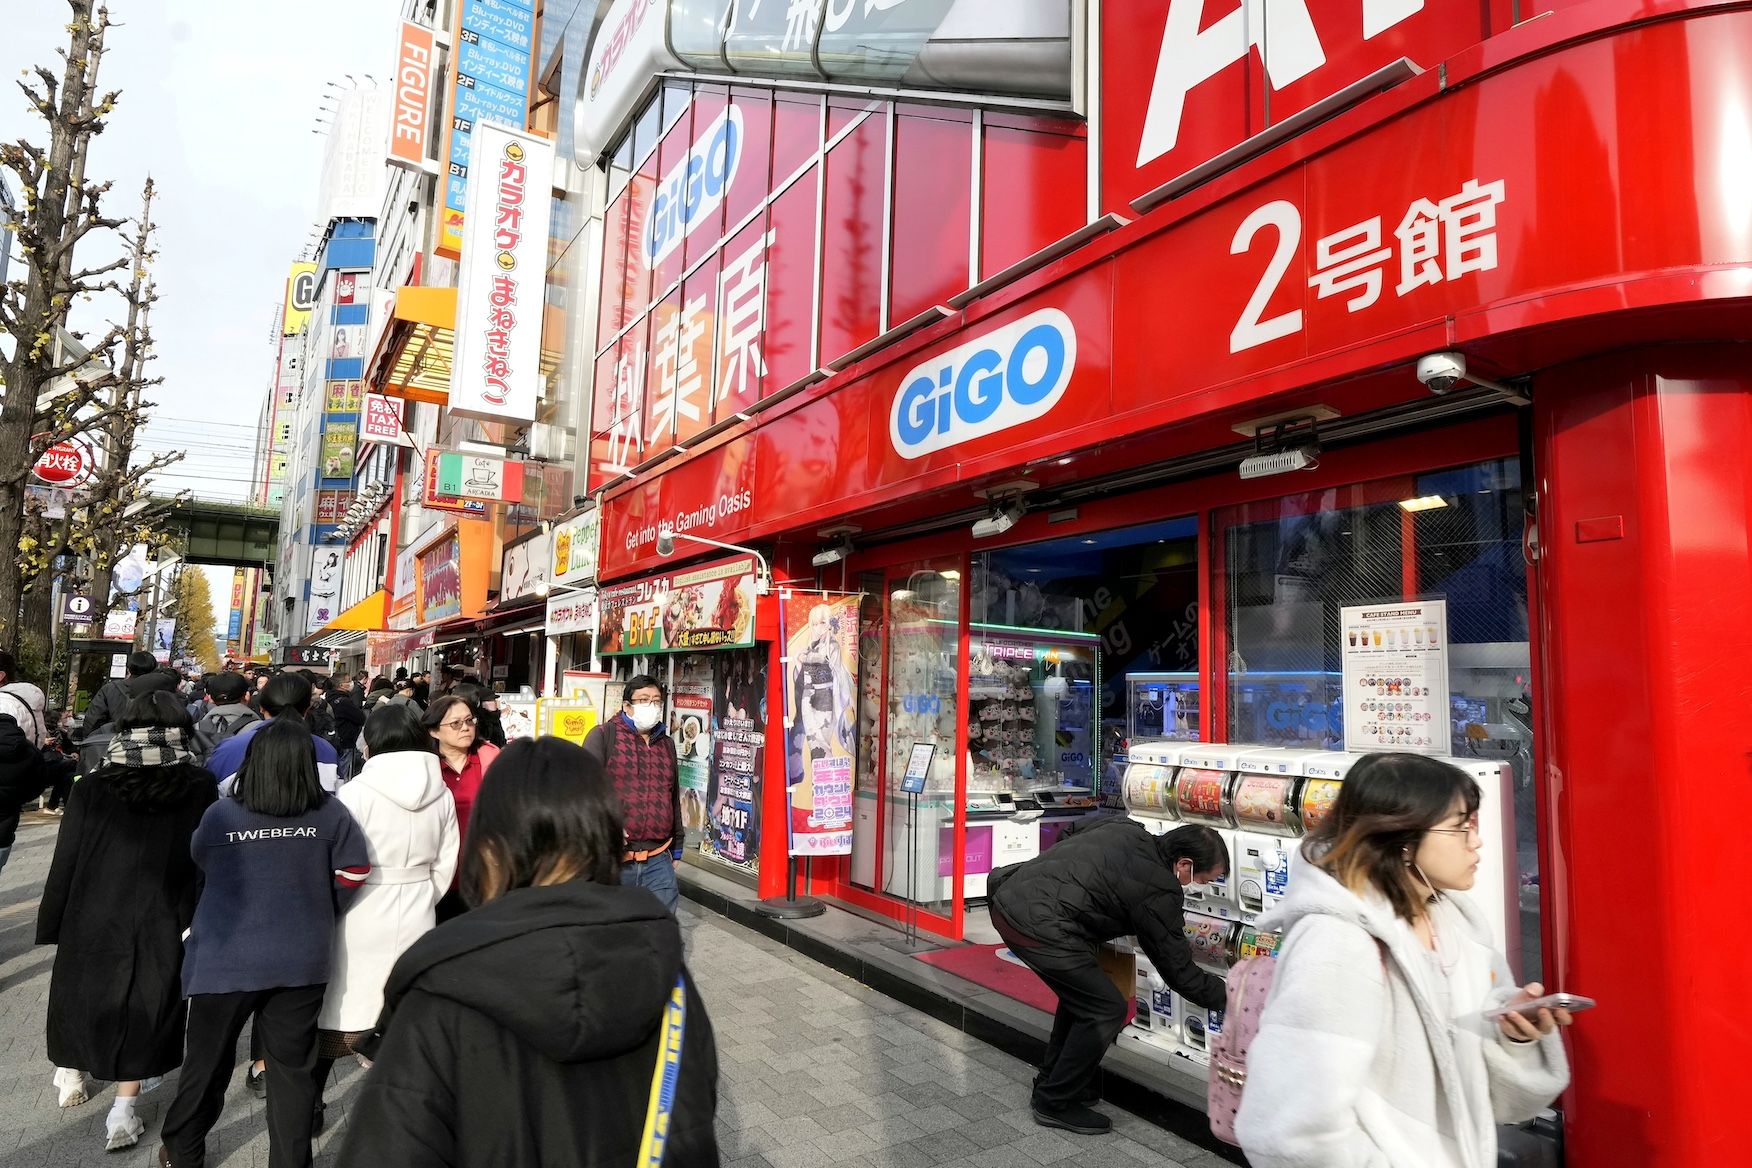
{"x":349,"y":720}
{"x":112,"y":700}
{"x":409,"y":822}
{"x":120,"y":891}
{"x":524,"y":1033}
{"x":26,"y":703}
{"x":1106,"y":877}
{"x":1410,"y":1074}
{"x":465,"y":784}
{"x":22,"y":777}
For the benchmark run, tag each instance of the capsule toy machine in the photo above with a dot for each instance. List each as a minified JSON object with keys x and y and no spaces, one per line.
{"x":1268,"y":823}
{"x":1497,"y":890}
{"x":1204,"y":791}
{"x":1148,"y":786}
{"x":1216,"y":945}
{"x":1323,"y":774}
{"x":1156,"y":1019}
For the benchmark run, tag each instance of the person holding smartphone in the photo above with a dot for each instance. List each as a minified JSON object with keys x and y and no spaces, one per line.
{"x":1374,"y":1049}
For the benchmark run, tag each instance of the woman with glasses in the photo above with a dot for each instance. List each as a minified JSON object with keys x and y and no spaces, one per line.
{"x":463,"y":758}
{"x":1373,"y":1050}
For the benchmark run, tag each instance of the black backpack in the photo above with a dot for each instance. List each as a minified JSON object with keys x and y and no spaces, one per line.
{"x":223,"y":727}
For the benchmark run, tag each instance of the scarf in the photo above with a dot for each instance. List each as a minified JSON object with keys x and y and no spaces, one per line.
{"x":148,"y":746}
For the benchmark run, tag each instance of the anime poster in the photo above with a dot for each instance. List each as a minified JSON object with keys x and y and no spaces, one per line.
{"x":821,"y":719}
{"x":738,"y":752}
{"x":690,"y":727}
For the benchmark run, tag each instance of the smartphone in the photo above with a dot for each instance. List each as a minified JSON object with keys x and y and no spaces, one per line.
{"x":1574,"y":1003}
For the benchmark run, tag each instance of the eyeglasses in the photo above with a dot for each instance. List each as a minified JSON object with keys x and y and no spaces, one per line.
{"x":459,"y":724}
{"x":1470,"y":829}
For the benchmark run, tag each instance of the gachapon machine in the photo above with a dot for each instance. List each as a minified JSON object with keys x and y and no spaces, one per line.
{"x":1497,"y":889}
{"x":1215,"y":946}
{"x":1156,"y":1019}
{"x":1203,"y":792}
{"x":1322,"y":778}
{"x":1148,"y":786}
{"x":1265,"y":804}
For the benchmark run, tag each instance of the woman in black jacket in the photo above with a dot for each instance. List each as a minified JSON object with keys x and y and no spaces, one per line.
{"x":120,"y":892}
{"x":536,"y":1028}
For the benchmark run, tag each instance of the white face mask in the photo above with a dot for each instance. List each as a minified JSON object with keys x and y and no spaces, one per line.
{"x":646,"y":715}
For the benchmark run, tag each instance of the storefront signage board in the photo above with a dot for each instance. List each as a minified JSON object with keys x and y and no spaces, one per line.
{"x":821,"y":719}
{"x":571,"y":612}
{"x":490,"y":83}
{"x":629,"y":50}
{"x":410,"y":126}
{"x":711,"y":495}
{"x":706,"y":607}
{"x":1180,"y":79}
{"x":523,"y":567}
{"x":432,"y":495}
{"x":568,"y":718}
{"x":440,"y":568}
{"x":574,"y":548}
{"x":1396,"y":677}
{"x":380,"y":422}
{"x":733,"y":799}
{"x":465,"y":474}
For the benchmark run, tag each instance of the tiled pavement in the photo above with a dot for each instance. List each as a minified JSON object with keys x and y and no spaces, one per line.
{"x":816,"y":1070}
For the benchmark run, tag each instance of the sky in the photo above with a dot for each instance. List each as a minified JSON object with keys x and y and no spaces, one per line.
{"x":218,"y":102}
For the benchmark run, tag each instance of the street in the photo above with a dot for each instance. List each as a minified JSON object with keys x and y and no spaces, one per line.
{"x":815,"y":1069}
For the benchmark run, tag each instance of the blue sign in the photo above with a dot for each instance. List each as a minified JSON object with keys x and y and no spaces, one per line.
{"x":236,"y":629}
{"x":492,"y":84}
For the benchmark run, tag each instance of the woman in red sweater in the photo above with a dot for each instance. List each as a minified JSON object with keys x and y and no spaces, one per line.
{"x":463,"y":757}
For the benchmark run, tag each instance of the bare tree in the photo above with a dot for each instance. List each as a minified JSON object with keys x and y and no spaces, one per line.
{"x":55,"y":389}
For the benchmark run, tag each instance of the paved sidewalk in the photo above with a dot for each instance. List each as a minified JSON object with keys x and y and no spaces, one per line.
{"x":816,"y":1070}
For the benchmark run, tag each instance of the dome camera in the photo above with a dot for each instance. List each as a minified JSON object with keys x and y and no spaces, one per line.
{"x":1442,"y":371}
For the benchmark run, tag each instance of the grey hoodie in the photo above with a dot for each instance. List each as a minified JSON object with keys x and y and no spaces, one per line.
{"x":219,"y":723}
{"x":1410,"y":1074}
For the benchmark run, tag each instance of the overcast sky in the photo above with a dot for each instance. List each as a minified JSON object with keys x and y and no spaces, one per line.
{"x":218,"y":101}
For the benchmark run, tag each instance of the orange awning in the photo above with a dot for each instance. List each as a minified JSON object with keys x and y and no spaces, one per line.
{"x":369,"y":616}
{"x":414,"y":353}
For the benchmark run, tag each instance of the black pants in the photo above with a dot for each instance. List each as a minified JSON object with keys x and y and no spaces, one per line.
{"x":286,"y":1022}
{"x":60,"y":775}
{"x":1091,"y":1013}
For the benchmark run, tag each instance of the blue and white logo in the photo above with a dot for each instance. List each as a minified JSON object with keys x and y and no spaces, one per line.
{"x":694,"y":187}
{"x":1009,"y":376}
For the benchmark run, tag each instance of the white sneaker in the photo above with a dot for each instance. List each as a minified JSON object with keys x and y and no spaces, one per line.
{"x":73,"y":1086}
{"x":124,"y":1133}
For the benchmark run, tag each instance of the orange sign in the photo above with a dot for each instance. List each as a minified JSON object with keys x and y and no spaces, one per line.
{"x":410,"y":126}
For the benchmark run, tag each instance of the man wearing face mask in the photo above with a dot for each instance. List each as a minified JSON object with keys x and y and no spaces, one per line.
{"x":1107,"y":877}
{"x":638,"y":758}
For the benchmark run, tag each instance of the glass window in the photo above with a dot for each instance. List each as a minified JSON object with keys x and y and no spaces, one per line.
{"x":1102,"y":630}
{"x":924,"y":694}
{"x":1291,"y":564}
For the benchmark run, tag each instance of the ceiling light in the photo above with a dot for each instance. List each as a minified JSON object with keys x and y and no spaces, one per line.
{"x":1088,"y":541}
{"x":1423,"y":503}
{"x":950,"y":574}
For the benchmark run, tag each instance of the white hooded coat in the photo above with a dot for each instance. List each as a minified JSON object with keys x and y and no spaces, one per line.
{"x":409,"y":822}
{"x":1363,"y":1061}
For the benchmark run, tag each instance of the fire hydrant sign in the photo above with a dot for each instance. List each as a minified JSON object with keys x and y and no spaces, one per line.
{"x":1396,"y":677}
{"x":65,"y":464}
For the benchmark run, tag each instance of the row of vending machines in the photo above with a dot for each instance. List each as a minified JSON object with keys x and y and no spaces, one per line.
{"x":1263,"y":802}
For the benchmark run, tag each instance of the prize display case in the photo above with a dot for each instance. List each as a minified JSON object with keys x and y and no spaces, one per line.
{"x":1161,"y":707}
{"x":1032,"y":717}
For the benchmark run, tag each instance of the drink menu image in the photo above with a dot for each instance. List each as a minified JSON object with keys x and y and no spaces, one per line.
{"x":1396,"y":676}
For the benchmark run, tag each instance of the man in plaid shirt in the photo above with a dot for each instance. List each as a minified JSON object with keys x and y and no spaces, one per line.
{"x":638,"y":758}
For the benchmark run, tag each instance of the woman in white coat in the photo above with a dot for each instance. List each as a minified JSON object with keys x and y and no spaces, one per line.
{"x":408,"y":818}
{"x":1373,"y":1050}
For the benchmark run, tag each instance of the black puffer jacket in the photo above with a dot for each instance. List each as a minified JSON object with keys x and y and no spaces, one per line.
{"x":22,"y":777}
{"x":1106,"y":877}
{"x":523,"y":1034}
{"x":112,"y":700}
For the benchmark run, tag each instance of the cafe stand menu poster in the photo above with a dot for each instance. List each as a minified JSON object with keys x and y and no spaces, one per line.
{"x":1395,"y":658}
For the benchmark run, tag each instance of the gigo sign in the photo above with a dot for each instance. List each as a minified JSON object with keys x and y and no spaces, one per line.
{"x":1009,"y":376}
{"x":694,"y":187}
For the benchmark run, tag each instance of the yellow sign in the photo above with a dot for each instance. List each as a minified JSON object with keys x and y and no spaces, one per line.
{"x":568,"y":718}
{"x":300,"y":299}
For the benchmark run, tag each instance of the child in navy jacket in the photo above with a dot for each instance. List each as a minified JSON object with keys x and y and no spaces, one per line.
{"x":280,"y":860}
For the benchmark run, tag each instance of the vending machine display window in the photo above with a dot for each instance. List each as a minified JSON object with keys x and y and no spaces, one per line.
{"x":1031,"y":715}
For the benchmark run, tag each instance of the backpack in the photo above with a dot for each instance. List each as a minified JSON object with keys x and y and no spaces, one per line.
{"x":224,"y":726}
{"x":1249,"y":985}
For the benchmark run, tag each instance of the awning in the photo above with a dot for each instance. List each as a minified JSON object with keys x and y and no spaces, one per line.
{"x":338,"y":640}
{"x":368,"y":616}
{"x":413,"y":355}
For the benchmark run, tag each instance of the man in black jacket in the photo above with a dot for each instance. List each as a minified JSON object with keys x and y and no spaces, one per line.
{"x":1105,"y":878}
{"x":144,"y":677}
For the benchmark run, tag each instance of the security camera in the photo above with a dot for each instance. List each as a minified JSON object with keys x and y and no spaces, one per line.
{"x":1442,"y":371}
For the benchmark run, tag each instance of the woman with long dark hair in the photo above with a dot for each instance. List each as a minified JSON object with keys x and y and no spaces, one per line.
{"x":559,"y":986}
{"x":409,"y":820}
{"x":120,"y":892}
{"x":464,"y":755}
{"x":1373,"y":1049}
{"x":280,"y":860}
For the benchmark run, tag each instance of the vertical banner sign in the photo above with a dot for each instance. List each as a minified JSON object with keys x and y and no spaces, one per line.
{"x":501,"y":283}
{"x":738,"y":758}
{"x":300,"y":299}
{"x":493,"y":45}
{"x":234,"y":628}
{"x":410,"y":126}
{"x":381,"y":422}
{"x":821,"y":719}
{"x":1396,"y":677}
{"x":690,"y":726}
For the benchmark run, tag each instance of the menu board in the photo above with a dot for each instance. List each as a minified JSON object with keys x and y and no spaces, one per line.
{"x":1396,"y":677}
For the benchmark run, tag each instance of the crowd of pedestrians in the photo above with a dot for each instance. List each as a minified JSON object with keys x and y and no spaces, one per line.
{"x":360,"y":870}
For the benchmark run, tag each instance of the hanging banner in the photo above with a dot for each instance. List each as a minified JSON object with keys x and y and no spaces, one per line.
{"x":1396,"y":677}
{"x":381,"y":421}
{"x":821,"y":719}
{"x":690,"y":727}
{"x":709,"y":607}
{"x":732,"y":833}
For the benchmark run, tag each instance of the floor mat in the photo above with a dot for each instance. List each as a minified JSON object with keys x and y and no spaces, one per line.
{"x":982,"y":965}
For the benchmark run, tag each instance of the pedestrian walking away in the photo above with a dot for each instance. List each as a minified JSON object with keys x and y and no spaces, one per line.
{"x":225,"y":713}
{"x":1106,"y":877}
{"x":408,"y":818}
{"x":1380,"y":989}
{"x":120,"y":891}
{"x":553,"y":1023}
{"x":463,"y":757}
{"x":637,"y":755}
{"x":280,"y":861}
{"x":285,"y":696}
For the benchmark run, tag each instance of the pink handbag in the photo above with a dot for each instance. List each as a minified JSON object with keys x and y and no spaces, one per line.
{"x":1249,"y":984}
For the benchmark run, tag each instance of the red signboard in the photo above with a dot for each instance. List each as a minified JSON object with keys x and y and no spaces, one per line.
{"x":1184,"y":80}
{"x":65,"y":464}
{"x":710,"y":495}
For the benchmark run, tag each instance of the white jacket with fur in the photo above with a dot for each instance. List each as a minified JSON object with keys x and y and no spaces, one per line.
{"x":1357,"y":1064}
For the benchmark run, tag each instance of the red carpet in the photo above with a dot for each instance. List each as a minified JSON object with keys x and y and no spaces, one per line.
{"x":981,"y":965}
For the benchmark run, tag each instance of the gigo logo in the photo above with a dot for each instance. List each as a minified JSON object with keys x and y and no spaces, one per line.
{"x":694,"y":187}
{"x":1009,"y":376}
